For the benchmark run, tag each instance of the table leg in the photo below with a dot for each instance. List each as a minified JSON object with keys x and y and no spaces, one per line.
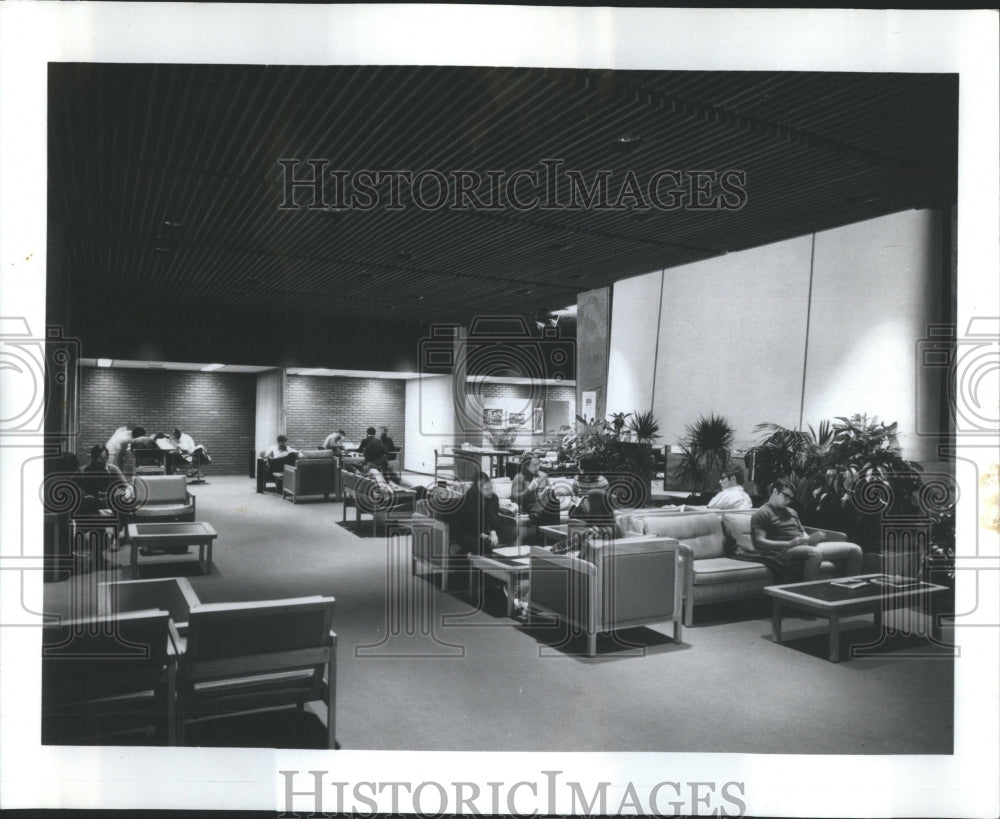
{"x":133,"y":557}
{"x":834,"y":638}
{"x":776,"y":621}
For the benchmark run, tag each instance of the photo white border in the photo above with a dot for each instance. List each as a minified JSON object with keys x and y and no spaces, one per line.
{"x":32,"y":34}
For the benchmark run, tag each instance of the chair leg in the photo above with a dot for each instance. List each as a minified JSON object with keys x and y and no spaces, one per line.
{"x":689,"y":610}
{"x":678,"y":632}
{"x":331,"y":697}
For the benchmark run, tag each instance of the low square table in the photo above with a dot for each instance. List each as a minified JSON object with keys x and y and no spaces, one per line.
{"x":165,"y":535}
{"x":509,"y":564}
{"x":554,"y":534}
{"x":874,"y":594}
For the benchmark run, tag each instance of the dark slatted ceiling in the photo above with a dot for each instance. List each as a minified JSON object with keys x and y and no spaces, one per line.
{"x":165,"y":178}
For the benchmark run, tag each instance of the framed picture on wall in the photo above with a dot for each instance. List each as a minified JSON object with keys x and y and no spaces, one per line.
{"x":516,"y":419}
{"x":492,"y":417}
{"x":538,"y":419}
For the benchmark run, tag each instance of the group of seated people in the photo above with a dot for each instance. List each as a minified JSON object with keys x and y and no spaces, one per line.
{"x":780,"y":539}
{"x":181,"y":450}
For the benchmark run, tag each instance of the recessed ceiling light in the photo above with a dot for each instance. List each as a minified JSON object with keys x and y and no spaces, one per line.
{"x":210,"y":367}
{"x":628,"y":139}
{"x":104,"y":362}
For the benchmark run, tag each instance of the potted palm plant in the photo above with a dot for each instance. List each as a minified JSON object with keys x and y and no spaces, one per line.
{"x":705,"y":451}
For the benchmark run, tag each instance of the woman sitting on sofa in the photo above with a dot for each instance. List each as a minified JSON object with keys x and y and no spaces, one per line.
{"x":475,"y":526}
{"x":530,"y":491}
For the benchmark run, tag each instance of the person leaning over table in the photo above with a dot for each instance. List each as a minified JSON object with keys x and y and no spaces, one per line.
{"x":776,"y":527}
{"x":335,"y":441}
{"x":732,"y":497}
{"x":118,"y":444}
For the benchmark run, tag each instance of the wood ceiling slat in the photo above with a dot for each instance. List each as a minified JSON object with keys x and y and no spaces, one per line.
{"x":133,"y":146}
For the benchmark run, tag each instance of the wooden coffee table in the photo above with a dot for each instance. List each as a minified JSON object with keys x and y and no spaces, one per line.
{"x":825,"y":599}
{"x":165,"y":535}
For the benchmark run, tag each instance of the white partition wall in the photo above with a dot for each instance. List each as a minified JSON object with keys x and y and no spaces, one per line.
{"x":791,"y":333}
{"x":732,"y":339}
{"x":876,"y":287}
{"x":635,"y":310}
{"x":430,"y":420}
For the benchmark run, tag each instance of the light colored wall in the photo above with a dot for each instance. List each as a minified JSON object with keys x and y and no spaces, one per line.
{"x":733,"y":332}
{"x":635,"y":308}
{"x":876,"y":287}
{"x":732,"y":340}
{"x":430,"y":420}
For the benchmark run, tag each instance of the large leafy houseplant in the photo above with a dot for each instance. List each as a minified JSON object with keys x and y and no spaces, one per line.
{"x":848,"y":473}
{"x":705,"y":451}
{"x":627,"y":464}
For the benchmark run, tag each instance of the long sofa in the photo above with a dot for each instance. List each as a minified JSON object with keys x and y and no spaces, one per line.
{"x":708,"y":539}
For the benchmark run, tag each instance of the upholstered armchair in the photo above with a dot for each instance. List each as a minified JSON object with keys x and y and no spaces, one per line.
{"x":610,"y":584}
{"x":314,"y":474}
{"x":159,"y":499}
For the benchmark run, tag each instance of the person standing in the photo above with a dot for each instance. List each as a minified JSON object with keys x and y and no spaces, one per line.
{"x":117,"y":445}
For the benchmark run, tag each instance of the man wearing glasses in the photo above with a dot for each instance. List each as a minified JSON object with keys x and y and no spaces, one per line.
{"x":732,"y":497}
{"x":776,"y":527}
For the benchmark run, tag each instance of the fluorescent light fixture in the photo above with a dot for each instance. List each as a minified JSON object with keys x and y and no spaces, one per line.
{"x":211,"y":367}
{"x":104,"y":362}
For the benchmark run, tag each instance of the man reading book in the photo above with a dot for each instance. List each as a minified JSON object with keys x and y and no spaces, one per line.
{"x":776,"y":527}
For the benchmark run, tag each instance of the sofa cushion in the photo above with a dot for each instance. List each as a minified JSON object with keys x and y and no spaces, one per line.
{"x":702,"y":533}
{"x":737,"y":529}
{"x":161,"y":489}
{"x":160,"y":509}
{"x":714,"y":570}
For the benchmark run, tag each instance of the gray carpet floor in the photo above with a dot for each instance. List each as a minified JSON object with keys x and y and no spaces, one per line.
{"x":419,"y":669}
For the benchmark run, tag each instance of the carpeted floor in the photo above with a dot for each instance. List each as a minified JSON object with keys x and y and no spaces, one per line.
{"x":422,"y":670}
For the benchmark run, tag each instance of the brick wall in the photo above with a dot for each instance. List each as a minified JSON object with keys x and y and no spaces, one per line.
{"x":315,"y":406}
{"x":216,"y":409}
{"x":547,"y":392}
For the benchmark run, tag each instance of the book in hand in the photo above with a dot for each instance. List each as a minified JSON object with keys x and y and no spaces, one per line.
{"x":849,"y":583}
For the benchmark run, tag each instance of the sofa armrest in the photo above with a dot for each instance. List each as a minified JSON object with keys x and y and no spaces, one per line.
{"x":189,"y":499}
{"x":831,"y":534}
{"x":431,"y":539}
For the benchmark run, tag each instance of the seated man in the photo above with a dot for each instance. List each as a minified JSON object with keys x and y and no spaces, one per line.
{"x":733,"y":496}
{"x":368,"y":439}
{"x":776,"y":528}
{"x":278,"y":454}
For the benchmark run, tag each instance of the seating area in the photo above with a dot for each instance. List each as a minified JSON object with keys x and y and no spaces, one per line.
{"x":620,"y":601}
{"x":669,"y":484}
